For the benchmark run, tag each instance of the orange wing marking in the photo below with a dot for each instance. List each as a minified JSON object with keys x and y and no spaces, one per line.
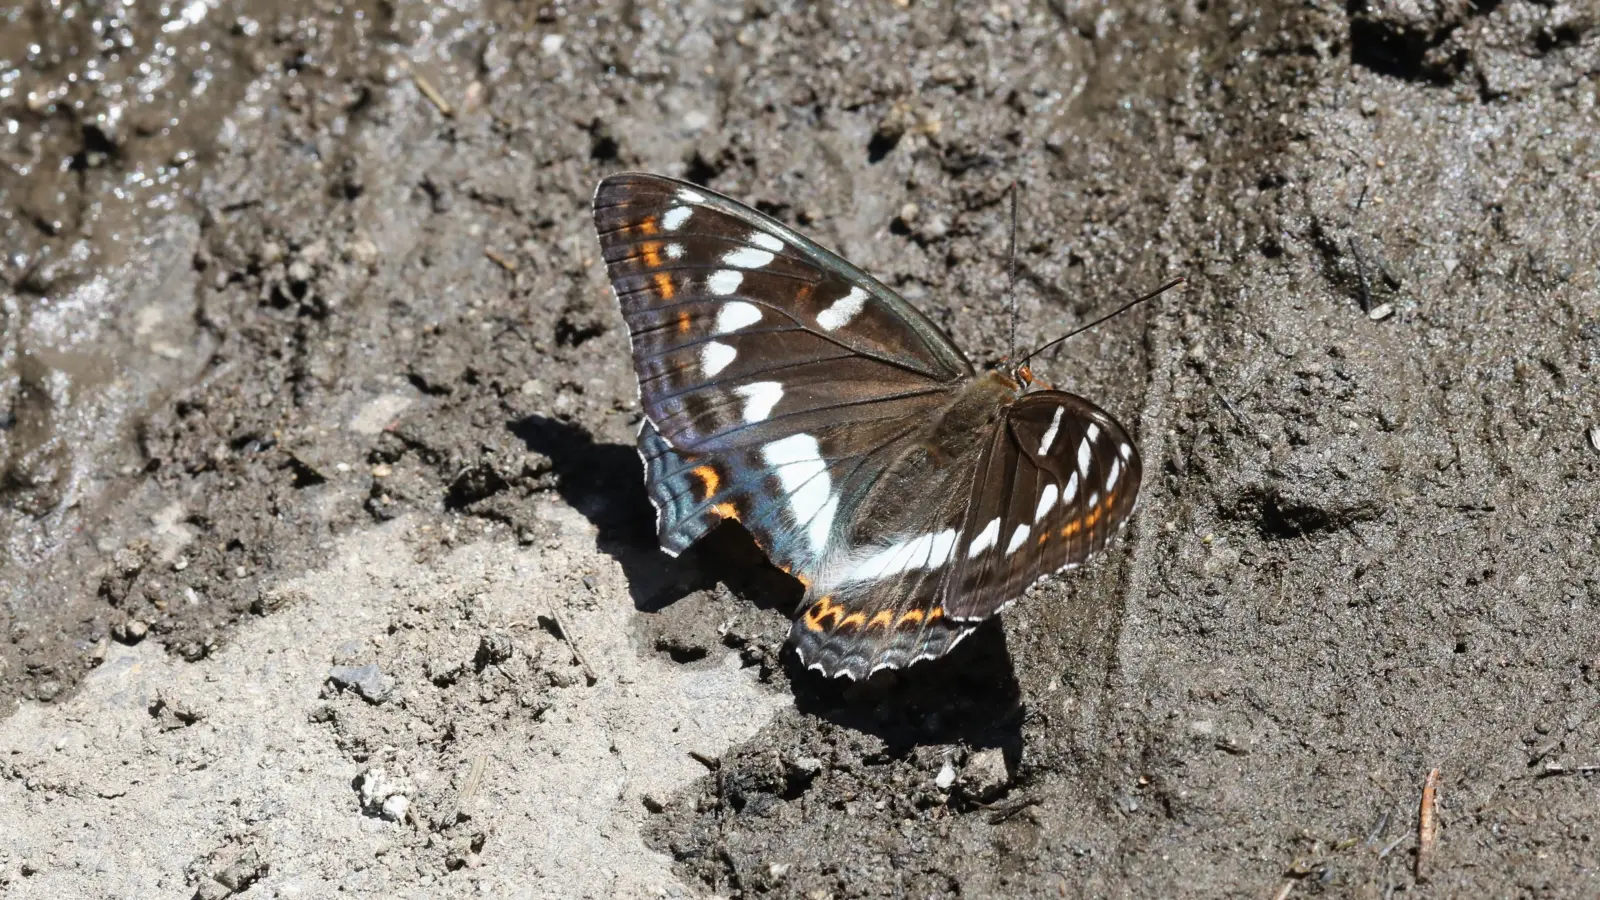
{"x":882,"y":619}
{"x":824,"y":608}
{"x":708,"y":480}
{"x":665,"y":289}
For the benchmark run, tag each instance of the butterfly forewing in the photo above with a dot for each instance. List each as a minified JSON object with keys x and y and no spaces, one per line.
{"x":719,"y":297}
{"x":769,"y":368}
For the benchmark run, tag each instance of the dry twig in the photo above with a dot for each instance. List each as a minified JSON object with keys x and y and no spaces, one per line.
{"x":432,"y":93}
{"x":1427,"y":823}
{"x":572,"y":642}
{"x":510,"y":265}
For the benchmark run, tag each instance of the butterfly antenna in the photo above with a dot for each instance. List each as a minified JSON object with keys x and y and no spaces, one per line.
{"x":1110,"y":315}
{"x":1011,"y":288}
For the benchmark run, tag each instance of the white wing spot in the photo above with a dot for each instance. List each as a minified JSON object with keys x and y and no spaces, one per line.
{"x":1094,"y":432}
{"x":843,"y":310}
{"x":674,"y":218}
{"x":804,"y":476}
{"x":1083,"y":452}
{"x":821,"y":527}
{"x":1018,"y":538}
{"x":1094,"y":499}
{"x":724,"y":282}
{"x":928,"y":551}
{"x":689,"y":196}
{"x":766,"y":241}
{"x":747,"y":258}
{"x":1047,"y":501}
{"x":715,"y":356}
{"x":1126,"y":451}
{"x":1114,"y":474}
{"x":986,"y":538}
{"x":759,"y":399}
{"x":736,"y":315}
{"x":674,"y":251}
{"x":1072,"y":489}
{"x":1050,"y":433}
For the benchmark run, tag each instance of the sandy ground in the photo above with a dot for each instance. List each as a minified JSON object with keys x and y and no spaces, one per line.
{"x":327,"y":565}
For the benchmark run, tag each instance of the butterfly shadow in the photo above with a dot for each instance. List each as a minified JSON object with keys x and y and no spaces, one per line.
{"x":969,"y":696}
{"x":605,"y":484}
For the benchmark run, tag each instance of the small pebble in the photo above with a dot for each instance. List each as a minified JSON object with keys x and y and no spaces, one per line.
{"x":372,"y":685}
{"x":1594,"y":438}
{"x":394,"y":808}
{"x":1380,"y":312}
{"x":986,"y":776}
{"x":362,"y":251}
{"x":946,"y":777}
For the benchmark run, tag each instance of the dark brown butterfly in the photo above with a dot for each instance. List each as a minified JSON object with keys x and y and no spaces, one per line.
{"x":786,"y":389}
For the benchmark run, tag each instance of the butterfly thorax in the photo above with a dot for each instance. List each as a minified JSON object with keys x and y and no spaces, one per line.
{"x":975,"y":407}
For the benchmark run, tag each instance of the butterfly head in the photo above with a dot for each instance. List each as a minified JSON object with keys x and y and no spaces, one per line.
{"x":1024,"y":377}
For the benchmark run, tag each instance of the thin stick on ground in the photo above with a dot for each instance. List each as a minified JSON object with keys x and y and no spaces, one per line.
{"x":1559,"y":769}
{"x":572,"y":642}
{"x":1427,"y":823}
{"x":432,"y":93}
{"x":510,"y":265}
{"x":469,"y":788}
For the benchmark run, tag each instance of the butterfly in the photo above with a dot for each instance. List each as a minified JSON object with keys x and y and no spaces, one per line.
{"x":783,"y":388}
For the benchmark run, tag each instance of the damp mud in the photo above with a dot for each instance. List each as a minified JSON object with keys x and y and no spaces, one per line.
{"x":325,"y":561}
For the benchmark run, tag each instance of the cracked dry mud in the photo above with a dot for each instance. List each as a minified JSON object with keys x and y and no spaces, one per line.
{"x":327,"y":564}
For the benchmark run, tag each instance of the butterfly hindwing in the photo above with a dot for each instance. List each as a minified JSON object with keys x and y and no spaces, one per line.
{"x":876,"y":602}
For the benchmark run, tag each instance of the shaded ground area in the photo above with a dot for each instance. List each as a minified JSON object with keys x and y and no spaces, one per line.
{"x":281,"y":276}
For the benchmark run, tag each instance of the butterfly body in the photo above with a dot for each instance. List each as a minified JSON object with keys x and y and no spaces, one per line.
{"x":787,"y":390}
